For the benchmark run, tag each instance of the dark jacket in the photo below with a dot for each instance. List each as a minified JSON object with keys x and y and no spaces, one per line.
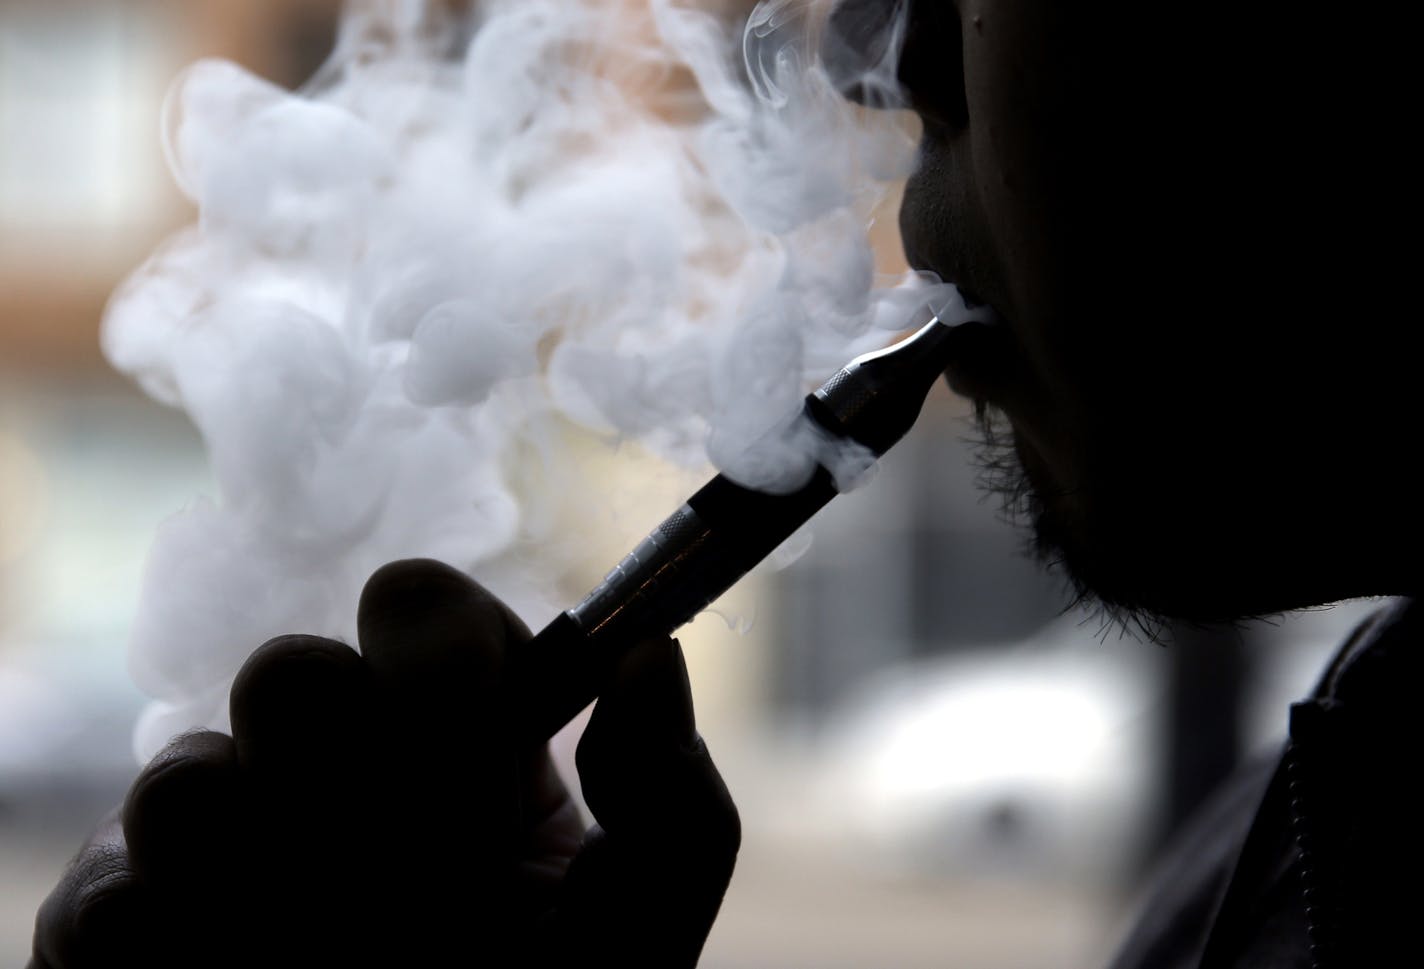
{"x":1308,"y":858}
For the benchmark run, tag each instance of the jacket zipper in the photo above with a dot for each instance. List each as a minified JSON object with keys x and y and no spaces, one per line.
{"x":1310,"y":728}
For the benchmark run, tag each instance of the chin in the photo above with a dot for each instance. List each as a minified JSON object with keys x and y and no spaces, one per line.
{"x":1147,"y":569}
{"x":1136,"y":588}
{"x":1137,"y":561}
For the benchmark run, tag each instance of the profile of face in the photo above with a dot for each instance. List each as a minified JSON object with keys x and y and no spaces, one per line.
{"x":1183,"y":219}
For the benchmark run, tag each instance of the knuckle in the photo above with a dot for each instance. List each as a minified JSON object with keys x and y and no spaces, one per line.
{"x":414,"y":583}
{"x":283,"y":651}
{"x":285,"y":676}
{"x":91,"y":912}
{"x":191,"y":764}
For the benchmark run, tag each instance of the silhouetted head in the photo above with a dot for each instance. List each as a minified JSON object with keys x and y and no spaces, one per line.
{"x":1196,"y":223}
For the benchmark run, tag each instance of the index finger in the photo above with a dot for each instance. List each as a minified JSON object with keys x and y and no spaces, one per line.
{"x":436,"y":642}
{"x":426,"y":627}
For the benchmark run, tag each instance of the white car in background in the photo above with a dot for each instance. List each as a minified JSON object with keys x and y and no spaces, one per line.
{"x":1034,"y":761}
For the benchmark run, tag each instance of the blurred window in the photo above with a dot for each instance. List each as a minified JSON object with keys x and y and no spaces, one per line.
{"x":80,"y":92}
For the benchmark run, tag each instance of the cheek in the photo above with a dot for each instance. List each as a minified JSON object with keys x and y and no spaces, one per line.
{"x":1040,"y":175}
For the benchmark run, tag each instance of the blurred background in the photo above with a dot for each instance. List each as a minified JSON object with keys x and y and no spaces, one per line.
{"x":936,"y":764}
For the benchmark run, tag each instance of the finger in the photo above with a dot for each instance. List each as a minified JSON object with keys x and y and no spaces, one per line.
{"x":183,"y":814}
{"x":299,"y":707}
{"x":302,"y":712}
{"x":548,"y":807}
{"x":644,"y":769}
{"x":436,"y":641}
{"x":424,"y":625}
{"x":658,"y":863}
{"x":189,"y":836}
{"x":99,"y":914}
{"x":555,"y":831}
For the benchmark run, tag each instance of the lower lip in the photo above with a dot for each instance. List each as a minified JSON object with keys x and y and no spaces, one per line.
{"x":982,"y":361}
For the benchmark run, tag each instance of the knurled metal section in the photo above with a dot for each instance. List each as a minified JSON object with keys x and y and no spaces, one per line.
{"x":681,"y":527}
{"x":639,"y":573}
{"x":845,"y":396}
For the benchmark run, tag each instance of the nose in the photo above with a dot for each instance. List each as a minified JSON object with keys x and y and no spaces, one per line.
{"x":861,"y":51}
{"x":899,"y":54}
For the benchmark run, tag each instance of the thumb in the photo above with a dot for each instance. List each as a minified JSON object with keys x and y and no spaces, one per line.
{"x":646,"y":887}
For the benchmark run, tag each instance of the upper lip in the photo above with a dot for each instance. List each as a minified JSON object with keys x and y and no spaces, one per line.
{"x":971,"y":298}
